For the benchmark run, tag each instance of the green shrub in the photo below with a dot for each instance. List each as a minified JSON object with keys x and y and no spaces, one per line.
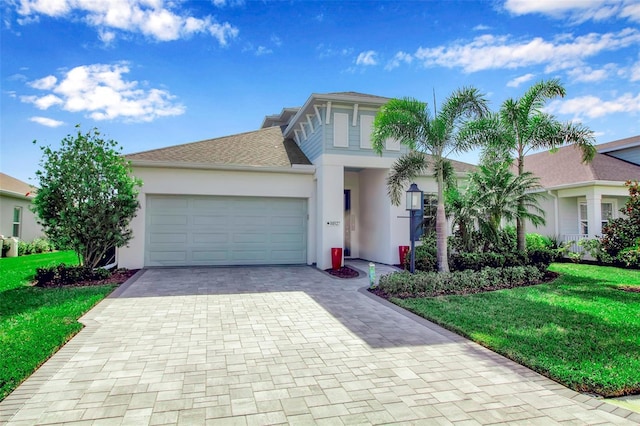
{"x":426,"y":254}
{"x":477,"y":261}
{"x":431,"y":284}
{"x":65,"y":275}
{"x":541,"y":258}
{"x":538,"y":242}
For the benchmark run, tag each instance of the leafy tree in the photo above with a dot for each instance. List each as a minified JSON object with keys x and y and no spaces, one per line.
{"x":411,"y":122}
{"x":521,"y":126}
{"x":87,"y":197}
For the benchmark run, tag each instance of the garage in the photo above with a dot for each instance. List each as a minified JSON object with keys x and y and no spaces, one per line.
{"x":190,"y":230}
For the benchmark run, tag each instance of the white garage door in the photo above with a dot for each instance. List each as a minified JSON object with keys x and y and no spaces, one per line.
{"x":217,"y":230}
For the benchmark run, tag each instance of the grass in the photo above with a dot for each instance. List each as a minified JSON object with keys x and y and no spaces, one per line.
{"x":36,"y":322}
{"x":580,"y":330}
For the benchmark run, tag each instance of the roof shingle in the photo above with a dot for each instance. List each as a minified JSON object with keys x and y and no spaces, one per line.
{"x":261,"y":148}
{"x":565,"y":167}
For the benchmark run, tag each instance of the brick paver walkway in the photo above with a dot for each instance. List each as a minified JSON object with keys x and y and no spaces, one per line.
{"x":270,"y":345}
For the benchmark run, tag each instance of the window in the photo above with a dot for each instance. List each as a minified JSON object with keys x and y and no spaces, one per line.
{"x":17,"y":218}
{"x":430,"y":205}
{"x":606,"y":213}
{"x":583,"y":218}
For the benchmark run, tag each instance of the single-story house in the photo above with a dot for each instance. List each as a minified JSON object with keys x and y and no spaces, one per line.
{"x":583,"y":197}
{"x":16,"y":218}
{"x":307,"y":181}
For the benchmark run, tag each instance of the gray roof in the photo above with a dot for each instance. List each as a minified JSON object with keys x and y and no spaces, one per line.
{"x":565,"y":167}
{"x":261,"y":148}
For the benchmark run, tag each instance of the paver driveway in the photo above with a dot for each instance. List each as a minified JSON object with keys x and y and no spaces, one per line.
{"x":270,"y":345}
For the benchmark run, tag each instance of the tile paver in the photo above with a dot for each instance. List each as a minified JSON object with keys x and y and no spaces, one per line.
{"x":269,"y":345}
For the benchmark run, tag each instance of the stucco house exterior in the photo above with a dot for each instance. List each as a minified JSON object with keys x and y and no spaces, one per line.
{"x":16,"y":218}
{"x":305,"y":182}
{"x":583,"y":197}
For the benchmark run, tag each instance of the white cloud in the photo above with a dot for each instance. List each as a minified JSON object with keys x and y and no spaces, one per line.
{"x":481,"y":28}
{"x":49,"y":122}
{"x":328,"y":51}
{"x":577,"y":11}
{"x":231,"y":3}
{"x":45,"y":83}
{"x":634,"y":71}
{"x":261,"y":50}
{"x":153,"y":18}
{"x":589,"y":75}
{"x":519,"y":80}
{"x":495,"y":52}
{"x":101,"y":92}
{"x":594,"y":107}
{"x":398,"y":59}
{"x":367,"y":58}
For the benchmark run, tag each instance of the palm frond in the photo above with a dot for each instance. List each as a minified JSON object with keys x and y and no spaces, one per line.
{"x":402,"y":119}
{"x":405,"y":169}
{"x":534,"y":99}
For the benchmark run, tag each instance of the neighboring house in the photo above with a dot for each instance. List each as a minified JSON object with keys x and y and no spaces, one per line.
{"x":583,"y":197}
{"x":16,"y":218}
{"x":306,"y":182}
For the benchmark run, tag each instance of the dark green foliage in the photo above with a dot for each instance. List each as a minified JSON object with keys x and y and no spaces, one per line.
{"x":430,"y":284}
{"x":621,"y":237}
{"x":62,"y":274}
{"x":87,"y":197}
{"x":426,"y":254}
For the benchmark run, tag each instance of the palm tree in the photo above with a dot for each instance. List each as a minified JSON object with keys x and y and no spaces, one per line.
{"x":499,"y":195}
{"x":411,"y":122}
{"x":521,"y":126}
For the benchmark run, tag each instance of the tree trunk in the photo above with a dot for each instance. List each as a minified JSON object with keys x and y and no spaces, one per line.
{"x":521,"y":233}
{"x":441,"y":226}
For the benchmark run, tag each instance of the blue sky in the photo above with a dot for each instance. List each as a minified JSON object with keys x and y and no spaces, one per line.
{"x":155,"y":73}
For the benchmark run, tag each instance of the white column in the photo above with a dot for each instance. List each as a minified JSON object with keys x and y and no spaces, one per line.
{"x":594,"y":214}
{"x":330,"y":208}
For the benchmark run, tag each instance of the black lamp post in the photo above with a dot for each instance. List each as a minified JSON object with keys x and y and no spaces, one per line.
{"x":414,"y":206}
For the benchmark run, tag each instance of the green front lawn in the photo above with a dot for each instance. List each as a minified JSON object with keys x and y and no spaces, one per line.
{"x":580,"y":330}
{"x":36,"y":322}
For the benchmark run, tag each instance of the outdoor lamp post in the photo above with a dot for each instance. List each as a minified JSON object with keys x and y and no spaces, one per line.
{"x":414,"y":206}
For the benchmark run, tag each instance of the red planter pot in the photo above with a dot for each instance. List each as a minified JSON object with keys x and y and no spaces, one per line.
{"x":336,"y":258}
{"x":403,"y":251}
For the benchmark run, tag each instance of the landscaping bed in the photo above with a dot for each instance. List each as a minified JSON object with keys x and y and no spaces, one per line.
{"x":580,"y":330}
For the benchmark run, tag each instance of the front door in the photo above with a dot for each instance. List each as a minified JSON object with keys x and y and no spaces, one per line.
{"x":347,"y":222}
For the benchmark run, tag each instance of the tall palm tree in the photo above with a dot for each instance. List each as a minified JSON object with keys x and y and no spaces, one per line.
{"x":521,"y":126}
{"x":411,"y":122}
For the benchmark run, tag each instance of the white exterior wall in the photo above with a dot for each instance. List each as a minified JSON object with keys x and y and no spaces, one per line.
{"x":330,"y":212}
{"x":550,"y":206}
{"x":375,"y":216}
{"x":30,"y":228}
{"x":214,"y":182}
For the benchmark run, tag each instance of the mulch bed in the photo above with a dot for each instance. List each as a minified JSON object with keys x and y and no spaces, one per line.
{"x":629,"y":288}
{"x":344,"y":272}
{"x":117,"y":277}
